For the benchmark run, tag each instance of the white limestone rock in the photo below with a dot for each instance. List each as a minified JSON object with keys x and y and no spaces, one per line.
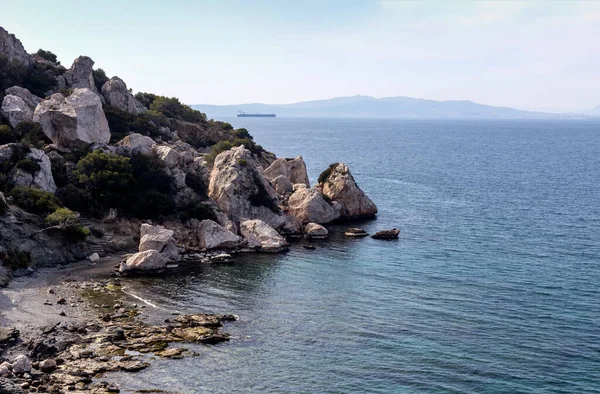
{"x":261,"y":236}
{"x":117,"y":95}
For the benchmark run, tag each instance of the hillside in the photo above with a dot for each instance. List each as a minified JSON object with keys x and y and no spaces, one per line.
{"x":389,"y":107}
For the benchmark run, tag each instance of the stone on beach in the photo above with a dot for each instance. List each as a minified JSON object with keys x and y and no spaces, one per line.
{"x":159,"y":239}
{"x":212,"y":235}
{"x":150,"y":260}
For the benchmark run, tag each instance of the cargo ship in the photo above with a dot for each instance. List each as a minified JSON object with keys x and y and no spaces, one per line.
{"x":242,"y":114}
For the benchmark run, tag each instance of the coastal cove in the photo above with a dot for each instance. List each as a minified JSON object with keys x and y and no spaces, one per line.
{"x":492,"y":286}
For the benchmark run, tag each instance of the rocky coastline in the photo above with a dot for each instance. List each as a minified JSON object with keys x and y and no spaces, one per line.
{"x":91,"y":172}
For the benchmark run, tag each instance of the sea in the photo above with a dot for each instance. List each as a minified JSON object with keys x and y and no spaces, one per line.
{"x":493,"y":286}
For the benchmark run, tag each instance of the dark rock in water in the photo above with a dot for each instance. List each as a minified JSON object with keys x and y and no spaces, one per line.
{"x":387,"y":234}
{"x":355,"y":232}
{"x":310,"y":247}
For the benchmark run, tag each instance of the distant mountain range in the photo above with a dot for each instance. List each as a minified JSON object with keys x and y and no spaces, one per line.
{"x":388,"y":107}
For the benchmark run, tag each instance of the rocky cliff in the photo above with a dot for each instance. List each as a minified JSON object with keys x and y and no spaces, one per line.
{"x":80,"y":151}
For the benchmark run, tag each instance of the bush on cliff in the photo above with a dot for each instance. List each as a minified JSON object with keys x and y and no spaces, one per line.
{"x":170,"y":107}
{"x":223,"y":146}
{"x":31,"y":134}
{"x":11,"y":73}
{"x":14,"y":259}
{"x":51,"y":57}
{"x":107,"y":179}
{"x":100,"y":78}
{"x":122,"y":124}
{"x":325,"y":174}
{"x":67,"y":221}
{"x":7,"y":135}
{"x":34,"y":200}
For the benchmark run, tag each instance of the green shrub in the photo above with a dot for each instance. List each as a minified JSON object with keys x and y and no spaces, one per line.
{"x":107,"y":178}
{"x":196,"y":210}
{"x":11,"y":73}
{"x":51,"y":57}
{"x":41,"y":78}
{"x":242,"y":162}
{"x":35,"y":200}
{"x":325,"y":174}
{"x":7,"y":135}
{"x":31,"y":134}
{"x":100,"y":78}
{"x":73,"y":197}
{"x":197,"y":184}
{"x":14,"y":259}
{"x":77,"y":232}
{"x":28,"y":165}
{"x":146,"y":98}
{"x":173,"y":108}
{"x":62,"y":217}
{"x":223,"y":146}
{"x":242,"y":134}
{"x":122,"y":124}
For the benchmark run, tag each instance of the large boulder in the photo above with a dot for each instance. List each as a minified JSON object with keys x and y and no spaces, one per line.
{"x":240,"y":189}
{"x":292,"y":169}
{"x":212,"y":235}
{"x":116,"y":94}
{"x":75,"y":120}
{"x":338,"y":185}
{"x":168,"y":155}
{"x":308,"y":205}
{"x":261,"y":236}
{"x":158,"y":238}
{"x":21,"y":364}
{"x":80,"y":75}
{"x":11,"y":47}
{"x":137,"y":143}
{"x":41,"y":179}
{"x":282,"y":185}
{"x":149,"y":260}
{"x":19,"y":105}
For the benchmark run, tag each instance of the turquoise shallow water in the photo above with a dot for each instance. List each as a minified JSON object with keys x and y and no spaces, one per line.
{"x":492,"y":287}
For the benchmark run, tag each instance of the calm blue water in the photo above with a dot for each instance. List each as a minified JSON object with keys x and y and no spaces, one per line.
{"x":493,"y":286}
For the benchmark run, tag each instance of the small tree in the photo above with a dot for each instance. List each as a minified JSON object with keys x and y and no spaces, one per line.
{"x":47,"y":55}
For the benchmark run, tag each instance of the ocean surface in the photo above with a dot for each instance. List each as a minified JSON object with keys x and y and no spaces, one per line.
{"x":493,"y":287}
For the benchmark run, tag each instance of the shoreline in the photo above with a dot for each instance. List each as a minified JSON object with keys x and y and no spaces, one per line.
{"x":87,"y":324}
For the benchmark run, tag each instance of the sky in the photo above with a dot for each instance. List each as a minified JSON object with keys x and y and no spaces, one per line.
{"x":525,"y":54}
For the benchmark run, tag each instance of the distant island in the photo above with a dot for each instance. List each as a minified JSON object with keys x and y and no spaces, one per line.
{"x":388,"y":107}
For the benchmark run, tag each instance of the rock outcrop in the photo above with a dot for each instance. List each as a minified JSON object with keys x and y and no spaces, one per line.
{"x":241,"y":191}
{"x":261,"y":236}
{"x":116,"y":94}
{"x":75,"y":120}
{"x":314,"y":230}
{"x":19,"y":105}
{"x":150,"y":260}
{"x":167,"y":155}
{"x":41,"y":179}
{"x":137,"y":143}
{"x":160,"y":239}
{"x":308,"y":205}
{"x":339,"y":187}
{"x":212,"y":235}
{"x":80,"y":75}
{"x":282,"y":185}
{"x":292,"y":169}
{"x":11,"y":47}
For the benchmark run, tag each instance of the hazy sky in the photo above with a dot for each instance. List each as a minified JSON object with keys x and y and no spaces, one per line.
{"x":517,"y":53}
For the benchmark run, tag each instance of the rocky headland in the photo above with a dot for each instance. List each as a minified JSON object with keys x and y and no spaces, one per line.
{"x":88,"y":170}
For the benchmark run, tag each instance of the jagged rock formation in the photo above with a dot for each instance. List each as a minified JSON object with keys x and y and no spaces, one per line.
{"x":261,"y":236}
{"x":80,"y":75}
{"x":117,"y":95}
{"x":308,"y":205}
{"x":41,"y":179}
{"x":211,"y":235}
{"x":294,"y":170}
{"x":74,"y":120}
{"x":11,"y":47}
{"x":19,"y":105}
{"x":339,"y":187}
{"x":241,"y":191}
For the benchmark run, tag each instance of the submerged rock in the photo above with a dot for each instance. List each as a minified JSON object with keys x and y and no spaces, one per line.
{"x":117,"y":95}
{"x":261,"y":236}
{"x":387,"y":234}
{"x":355,"y":232}
{"x":73,"y":121}
{"x":314,"y":230}
{"x":338,"y":185}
